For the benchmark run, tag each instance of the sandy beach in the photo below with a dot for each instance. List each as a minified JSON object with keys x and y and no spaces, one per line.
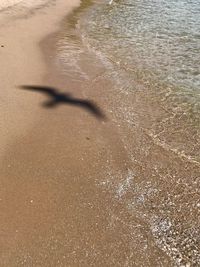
{"x":70,"y":169}
{"x":51,"y":211}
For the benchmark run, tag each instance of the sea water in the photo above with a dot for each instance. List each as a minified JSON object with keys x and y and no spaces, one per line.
{"x":162,"y":36}
{"x":151,"y":51}
{"x":158,"y":44}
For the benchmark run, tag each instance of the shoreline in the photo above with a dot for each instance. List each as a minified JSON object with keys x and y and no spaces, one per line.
{"x":54,"y":211}
{"x":151,"y":166}
{"x":76,"y":190}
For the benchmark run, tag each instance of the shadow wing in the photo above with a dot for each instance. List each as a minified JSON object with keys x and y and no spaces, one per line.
{"x":41,"y":89}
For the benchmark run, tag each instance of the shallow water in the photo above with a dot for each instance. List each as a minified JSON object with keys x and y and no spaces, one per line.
{"x":150,"y":52}
{"x":160,"y":36}
{"x":156,"y":43}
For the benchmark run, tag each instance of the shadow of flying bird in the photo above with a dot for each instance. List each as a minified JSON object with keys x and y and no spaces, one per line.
{"x":57,"y":98}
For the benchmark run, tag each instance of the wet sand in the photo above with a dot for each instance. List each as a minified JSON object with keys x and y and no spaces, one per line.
{"x":74,"y":187}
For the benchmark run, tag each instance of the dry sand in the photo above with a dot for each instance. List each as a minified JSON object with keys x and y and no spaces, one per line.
{"x":21,"y":63}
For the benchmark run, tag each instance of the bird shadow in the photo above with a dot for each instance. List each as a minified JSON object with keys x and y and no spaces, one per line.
{"x":57,"y":98}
